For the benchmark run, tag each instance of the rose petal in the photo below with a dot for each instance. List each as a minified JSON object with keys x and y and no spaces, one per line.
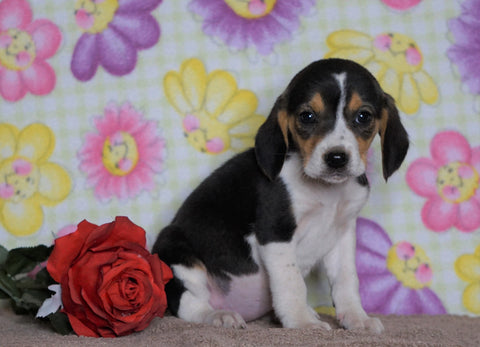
{"x":161,"y":271}
{"x":80,"y":328}
{"x":66,"y":249}
{"x":450,"y":146}
{"x":439,"y":215}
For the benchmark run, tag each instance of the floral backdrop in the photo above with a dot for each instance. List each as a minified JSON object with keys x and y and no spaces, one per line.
{"x":121,"y":107}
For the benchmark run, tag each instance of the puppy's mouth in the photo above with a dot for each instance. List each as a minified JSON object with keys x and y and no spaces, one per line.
{"x":330,"y":176}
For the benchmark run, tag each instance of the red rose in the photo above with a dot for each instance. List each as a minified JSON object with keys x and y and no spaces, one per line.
{"x":111,"y":285}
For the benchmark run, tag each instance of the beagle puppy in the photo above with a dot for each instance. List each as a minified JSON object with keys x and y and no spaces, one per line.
{"x":243,"y":241}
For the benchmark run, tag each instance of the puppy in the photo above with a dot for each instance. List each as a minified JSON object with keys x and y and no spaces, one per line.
{"x":243,"y":241}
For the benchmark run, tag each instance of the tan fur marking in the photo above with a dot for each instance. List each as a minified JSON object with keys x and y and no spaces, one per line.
{"x":306,"y":146}
{"x":317,"y":104}
{"x":364,"y":145}
{"x":355,"y":102}
{"x":383,"y":124}
{"x":283,"y":123}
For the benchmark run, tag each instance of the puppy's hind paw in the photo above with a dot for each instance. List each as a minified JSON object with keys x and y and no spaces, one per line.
{"x":226,"y":319}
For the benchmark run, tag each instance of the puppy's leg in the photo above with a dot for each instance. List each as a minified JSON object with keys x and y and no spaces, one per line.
{"x":194,"y":303}
{"x":288,"y":289}
{"x":342,"y":274}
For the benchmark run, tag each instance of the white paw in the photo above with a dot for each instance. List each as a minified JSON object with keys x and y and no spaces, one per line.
{"x":309,"y":320}
{"x":359,"y":320}
{"x":316,"y":325}
{"x":226,"y":319}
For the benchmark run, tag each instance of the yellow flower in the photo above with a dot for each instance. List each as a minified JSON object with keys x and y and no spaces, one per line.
{"x":410,"y":265}
{"x":27,"y":179}
{"x":216,"y":114}
{"x":467,"y":268}
{"x":93,"y":17}
{"x":394,"y":59}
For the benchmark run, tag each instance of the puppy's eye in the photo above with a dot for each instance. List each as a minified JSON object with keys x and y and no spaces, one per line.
{"x":307,"y":118}
{"x":363,"y":118}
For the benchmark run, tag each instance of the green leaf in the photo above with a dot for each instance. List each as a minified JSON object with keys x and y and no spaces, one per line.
{"x":3,"y":295}
{"x":35,"y":297}
{"x":24,"y":259}
{"x":44,"y":279}
{"x":60,"y":323}
{"x":3,"y":255}
{"x":8,"y":286}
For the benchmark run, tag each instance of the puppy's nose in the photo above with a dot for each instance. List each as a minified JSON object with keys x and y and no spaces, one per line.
{"x":336,"y":158}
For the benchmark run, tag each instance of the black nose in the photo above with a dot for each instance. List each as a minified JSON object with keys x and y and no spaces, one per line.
{"x":336,"y":159}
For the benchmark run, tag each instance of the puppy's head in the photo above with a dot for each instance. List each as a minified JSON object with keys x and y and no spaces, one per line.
{"x":329,"y":115}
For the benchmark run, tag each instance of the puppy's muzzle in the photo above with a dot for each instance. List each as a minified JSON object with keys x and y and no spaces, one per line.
{"x":336,"y":158}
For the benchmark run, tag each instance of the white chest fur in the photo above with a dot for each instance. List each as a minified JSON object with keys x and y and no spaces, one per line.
{"x":323,"y":212}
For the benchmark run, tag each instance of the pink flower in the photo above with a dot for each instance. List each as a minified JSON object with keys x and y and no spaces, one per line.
{"x":401,"y":5}
{"x":125,"y":153}
{"x":24,"y":47}
{"x":449,"y":181}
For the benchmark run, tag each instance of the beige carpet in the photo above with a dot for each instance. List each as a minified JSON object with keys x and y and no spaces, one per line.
{"x":400,"y":331}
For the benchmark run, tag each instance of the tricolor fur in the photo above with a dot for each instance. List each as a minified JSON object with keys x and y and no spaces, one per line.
{"x":243,"y":241}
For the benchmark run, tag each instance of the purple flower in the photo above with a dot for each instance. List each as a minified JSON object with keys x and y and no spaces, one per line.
{"x":394,"y":278}
{"x":261,"y":23}
{"x":113,"y":32}
{"x":465,"y":53}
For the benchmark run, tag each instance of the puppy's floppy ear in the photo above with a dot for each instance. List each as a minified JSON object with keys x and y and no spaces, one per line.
{"x":271,"y":142}
{"x":394,"y":138}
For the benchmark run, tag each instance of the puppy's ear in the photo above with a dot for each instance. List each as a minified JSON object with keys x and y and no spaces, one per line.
{"x":271,"y":142}
{"x":394,"y":138}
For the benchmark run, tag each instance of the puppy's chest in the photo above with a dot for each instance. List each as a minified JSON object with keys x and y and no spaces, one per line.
{"x":322,"y":214}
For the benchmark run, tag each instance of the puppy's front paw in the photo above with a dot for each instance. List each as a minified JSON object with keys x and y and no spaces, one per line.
{"x":226,"y":319}
{"x":359,"y":320}
{"x":309,"y":320}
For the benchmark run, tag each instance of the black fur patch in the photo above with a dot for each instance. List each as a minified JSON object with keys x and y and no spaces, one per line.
{"x":212,"y":225}
{"x":363,"y":180}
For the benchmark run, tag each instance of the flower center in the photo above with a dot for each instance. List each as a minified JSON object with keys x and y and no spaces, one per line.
{"x":410,"y":265}
{"x":19,"y":180}
{"x":398,"y":51}
{"x":457,"y":182}
{"x":93,"y":16}
{"x":251,"y":8}
{"x":120,"y":154}
{"x":17,"y":49}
